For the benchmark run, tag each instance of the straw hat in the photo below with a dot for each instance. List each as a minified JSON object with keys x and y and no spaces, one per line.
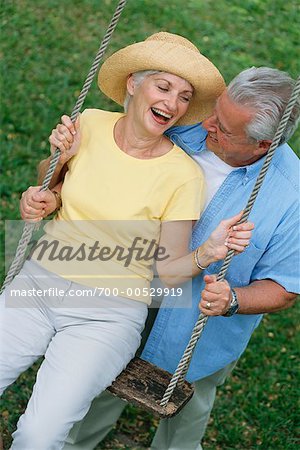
{"x":170,"y":53}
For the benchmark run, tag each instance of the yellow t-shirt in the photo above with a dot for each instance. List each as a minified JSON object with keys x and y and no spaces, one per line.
{"x":113,"y":202}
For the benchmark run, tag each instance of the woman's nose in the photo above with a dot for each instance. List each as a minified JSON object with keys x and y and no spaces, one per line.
{"x":171,"y":103}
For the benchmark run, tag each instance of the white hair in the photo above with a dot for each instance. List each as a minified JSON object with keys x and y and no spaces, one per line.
{"x":138,"y":78}
{"x":266,"y":91}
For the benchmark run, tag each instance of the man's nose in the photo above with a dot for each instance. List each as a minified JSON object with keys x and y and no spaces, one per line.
{"x":210,"y":124}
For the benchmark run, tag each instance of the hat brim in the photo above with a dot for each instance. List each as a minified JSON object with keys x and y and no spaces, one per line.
{"x":192,"y":66}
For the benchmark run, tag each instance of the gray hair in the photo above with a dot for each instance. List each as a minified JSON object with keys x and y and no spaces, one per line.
{"x":267,"y":92}
{"x":138,"y":78}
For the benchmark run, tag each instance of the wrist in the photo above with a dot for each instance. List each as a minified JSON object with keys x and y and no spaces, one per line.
{"x":62,"y":160}
{"x":234,"y":304}
{"x":201,"y":258}
{"x":57,"y":199}
{"x":206,"y":254}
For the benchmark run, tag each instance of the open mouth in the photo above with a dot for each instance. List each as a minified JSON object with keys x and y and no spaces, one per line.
{"x":161,"y":116}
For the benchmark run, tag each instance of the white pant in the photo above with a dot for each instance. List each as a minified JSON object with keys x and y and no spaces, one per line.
{"x":85,"y":349}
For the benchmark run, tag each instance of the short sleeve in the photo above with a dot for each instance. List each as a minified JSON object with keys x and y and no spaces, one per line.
{"x":83,"y":138}
{"x":187,"y":201}
{"x":280,"y":262}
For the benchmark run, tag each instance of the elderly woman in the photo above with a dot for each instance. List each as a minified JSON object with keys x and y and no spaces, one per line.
{"x":128,"y":198}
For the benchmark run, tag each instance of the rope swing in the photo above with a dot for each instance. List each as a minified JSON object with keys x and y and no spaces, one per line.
{"x":29,"y":228}
{"x":142,"y":383}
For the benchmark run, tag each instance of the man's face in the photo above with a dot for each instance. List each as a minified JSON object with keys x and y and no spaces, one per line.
{"x":227,"y":136}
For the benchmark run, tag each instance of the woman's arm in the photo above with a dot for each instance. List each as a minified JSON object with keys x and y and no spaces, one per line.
{"x":36,"y":204}
{"x":178,"y":265}
{"x":65,"y":137}
{"x":58,"y":175}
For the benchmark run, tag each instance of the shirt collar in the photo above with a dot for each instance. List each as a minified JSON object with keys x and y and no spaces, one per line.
{"x":192,"y":139}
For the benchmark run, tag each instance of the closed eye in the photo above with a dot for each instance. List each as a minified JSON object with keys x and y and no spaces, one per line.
{"x":222,"y":129}
{"x":186,"y":99}
{"x":163,"y":89}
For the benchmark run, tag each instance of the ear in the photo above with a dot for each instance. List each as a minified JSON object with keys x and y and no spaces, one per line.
{"x":263,"y":146}
{"x":130,"y":84}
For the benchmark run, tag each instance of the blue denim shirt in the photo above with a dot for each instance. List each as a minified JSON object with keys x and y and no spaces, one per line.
{"x":273,"y":254}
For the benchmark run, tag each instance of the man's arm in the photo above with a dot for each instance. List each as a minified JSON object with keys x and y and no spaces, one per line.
{"x":261,"y":296}
{"x":264,"y":296}
{"x":275,"y":275}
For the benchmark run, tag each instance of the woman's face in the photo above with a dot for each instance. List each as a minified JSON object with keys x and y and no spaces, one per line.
{"x":158,"y":102}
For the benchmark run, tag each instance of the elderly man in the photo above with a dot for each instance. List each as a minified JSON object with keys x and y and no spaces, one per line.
{"x":230,"y":147}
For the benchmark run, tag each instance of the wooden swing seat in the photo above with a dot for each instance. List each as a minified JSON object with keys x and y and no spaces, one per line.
{"x":144,"y":385}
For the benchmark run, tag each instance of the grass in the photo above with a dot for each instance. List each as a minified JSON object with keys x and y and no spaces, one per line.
{"x":47,"y":48}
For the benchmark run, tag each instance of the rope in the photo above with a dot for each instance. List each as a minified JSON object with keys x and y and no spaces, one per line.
{"x":29,"y":228}
{"x":182,"y":368}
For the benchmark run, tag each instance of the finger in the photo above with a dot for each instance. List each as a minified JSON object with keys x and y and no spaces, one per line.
{"x":65,"y":132}
{"x":35,"y":207}
{"x":211,"y":295}
{"x":232,"y":220}
{"x":30,"y":191}
{"x":66,"y":120}
{"x":59,"y":134}
{"x":31,"y":212}
{"x":206,"y":310}
{"x":217,"y":288}
{"x":28,"y":214}
{"x":58,"y":144}
{"x":240,"y":234}
{"x":43,"y":197}
{"x":210,"y":279}
{"x":28,"y":202}
{"x":22,"y":211}
{"x":37,"y":201}
{"x":236,"y":241}
{"x":243,"y":226}
{"x":236,"y":247}
{"x":77,"y":137}
{"x":77,"y":123}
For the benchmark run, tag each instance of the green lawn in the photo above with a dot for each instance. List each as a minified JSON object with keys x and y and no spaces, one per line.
{"x":47,"y":48}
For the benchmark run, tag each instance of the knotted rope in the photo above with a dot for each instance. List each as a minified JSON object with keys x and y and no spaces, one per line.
{"x":183,"y":365}
{"x":29,"y":228}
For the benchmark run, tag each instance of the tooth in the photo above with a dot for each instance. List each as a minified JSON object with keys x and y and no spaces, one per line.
{"x":162,"y":113}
